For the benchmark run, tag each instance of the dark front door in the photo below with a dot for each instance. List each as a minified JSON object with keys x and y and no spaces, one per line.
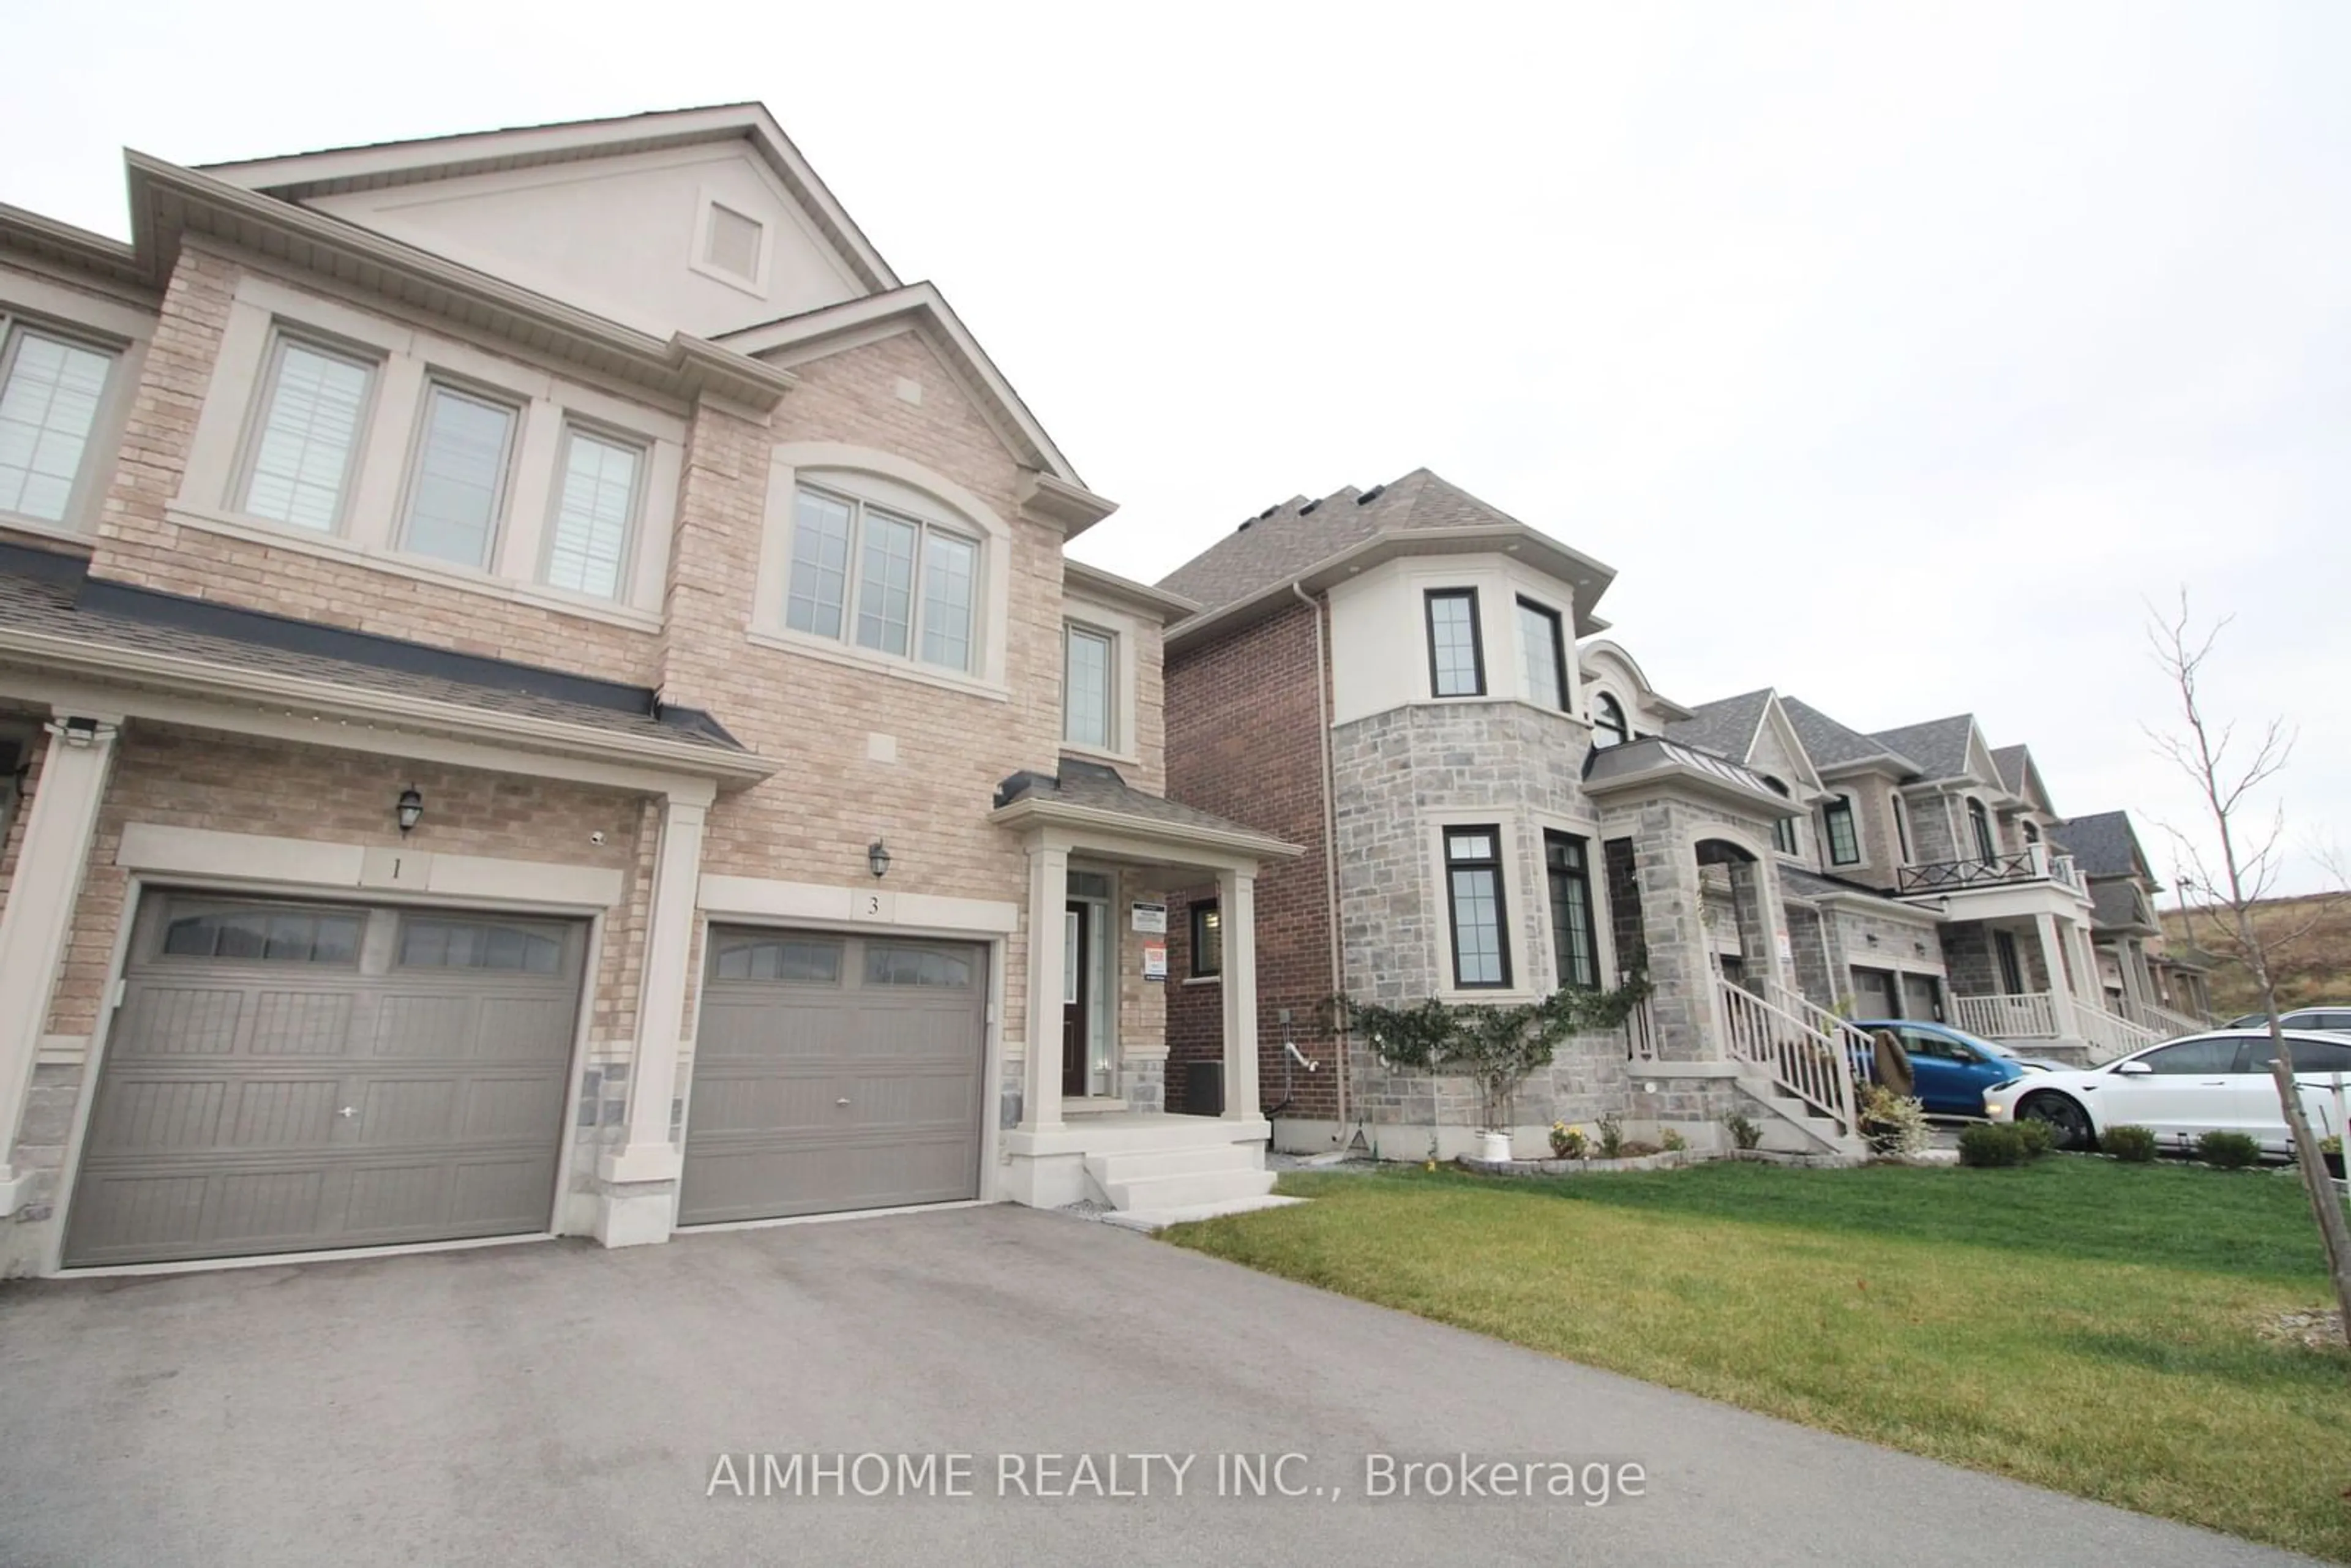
{"x":1078,"y":952}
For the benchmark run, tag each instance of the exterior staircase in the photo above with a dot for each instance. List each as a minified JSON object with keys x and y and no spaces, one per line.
{"x":1157,"y":1170}
{"x":1797,"y":1060}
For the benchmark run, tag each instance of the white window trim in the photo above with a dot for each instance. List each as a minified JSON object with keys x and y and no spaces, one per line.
{"x":1438,"y":893}
{"x":518,"y":415}
{"x":707,"y":202}
{"x":1113,"y":710}
{"x":1125,"y":633}
{"x":907,"y":489}
{"x":573,"y":426}
{"x":282,"y":336}
{"x":375,"y":504}
{"x":98,"y":447}
{"x":107,"y":325}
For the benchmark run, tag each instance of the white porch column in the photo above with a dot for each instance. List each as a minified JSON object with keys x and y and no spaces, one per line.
{"x":2060,"y":989}
{"x":1237,"y":901}
{"x":640,"y":1177}
{"x":41,"y":898}
{"x":1041,"y":1073}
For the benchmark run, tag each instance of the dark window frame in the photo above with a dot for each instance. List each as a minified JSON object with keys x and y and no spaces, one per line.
{"x":1200,"y":914}
{"x":1558,"y":650}
{"x":1492,"y":833}
{"x":1783,"y":829}
{"x":1477,"y":641}
{"x":1841,"y":806}
{"x":1979,"y":824}
{"x":1901,"y":823}
{"x":1567,"y":858}
{"x":1608,"y":718}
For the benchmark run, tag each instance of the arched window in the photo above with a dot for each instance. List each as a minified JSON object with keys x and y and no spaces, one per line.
{"x":1784,"y":832}
{"x":2031,"y":832}
{"x":1979,"y":821}
{"x":1608,"y":725}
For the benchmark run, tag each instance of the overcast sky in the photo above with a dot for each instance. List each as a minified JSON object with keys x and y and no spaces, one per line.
{"x":1893,"y":355}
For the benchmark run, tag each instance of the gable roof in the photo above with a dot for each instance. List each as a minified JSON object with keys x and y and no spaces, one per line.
{"x":1939,"y":745}
{"x":2103,"y":844}
{"x":1725,"y":727}
{"x":794,"y":339}
{"x":332,"y":170}
{"x":2011,"y":760}
{"x":1284,"y":542}
{"x":1832,"y":745}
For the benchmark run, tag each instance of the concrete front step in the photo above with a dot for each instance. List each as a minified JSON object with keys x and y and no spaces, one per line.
{"x":1197,"y":1160}
{"x":1185,"y":1190}
{"x":1160,"y":1218}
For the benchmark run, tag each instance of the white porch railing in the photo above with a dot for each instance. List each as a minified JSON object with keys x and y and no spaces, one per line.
{"x":2109,"y":1036}
{"x":2165,"y":1021}
{"x":1857,"y":1043}
{"x":1814,"y":1065}
{"x":2021,"y":1015}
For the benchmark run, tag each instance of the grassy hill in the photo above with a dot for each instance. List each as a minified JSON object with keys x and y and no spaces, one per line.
{"x":2316,"y":969}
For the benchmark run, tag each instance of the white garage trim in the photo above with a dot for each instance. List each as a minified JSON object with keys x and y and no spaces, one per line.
{"x":312,"y":862}
{"x":761,"y":899}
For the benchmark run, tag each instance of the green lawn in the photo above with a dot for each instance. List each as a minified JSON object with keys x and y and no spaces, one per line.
{"x":2076,"y":1324}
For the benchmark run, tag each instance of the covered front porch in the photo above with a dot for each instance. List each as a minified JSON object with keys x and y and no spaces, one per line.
{"x":1085,"y":1081}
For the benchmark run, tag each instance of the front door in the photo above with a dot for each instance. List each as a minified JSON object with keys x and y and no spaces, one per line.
{"x":1922,"y":998}
{"x":1077,"y":959}
{"x":2011,"y":968}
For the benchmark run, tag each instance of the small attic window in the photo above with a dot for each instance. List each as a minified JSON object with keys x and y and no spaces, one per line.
{"x":730,"y":243}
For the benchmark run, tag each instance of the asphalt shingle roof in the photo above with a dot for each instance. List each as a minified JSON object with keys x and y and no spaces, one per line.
{"x":2102,"y":843}
{"x":1725,"y":727}
{"x":52,"y":593}
{"x":1291,"y":540}
{"x":1102,"y":788}
{"x":1829,"y":743}
{"x":1940,"y":747}
{"x":2114,"y":903}
{"x":2009,"y":760}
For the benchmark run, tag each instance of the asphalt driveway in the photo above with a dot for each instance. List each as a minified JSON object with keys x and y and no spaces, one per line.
{"x":555,"y":1403}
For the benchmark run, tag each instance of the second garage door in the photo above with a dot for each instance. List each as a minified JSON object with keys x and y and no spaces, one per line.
{"x":287,"y":1076}
{"x":833,"y":1072}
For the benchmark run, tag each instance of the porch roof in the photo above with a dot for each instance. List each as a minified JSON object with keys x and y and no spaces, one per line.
{"x":1655,"y":762}
{"x":57,"y":620}
{"x":1092,"y":796}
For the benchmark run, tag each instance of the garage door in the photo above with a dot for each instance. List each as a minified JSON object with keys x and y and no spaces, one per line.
{"x":833,"y":1072}
{"x":282,"y":1077}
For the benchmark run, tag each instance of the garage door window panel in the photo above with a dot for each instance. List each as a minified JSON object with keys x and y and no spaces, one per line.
{"x":264,"y":935}
{"x":480,"y":944}
{"x":776,"y":958}
{"x":916,"y":966}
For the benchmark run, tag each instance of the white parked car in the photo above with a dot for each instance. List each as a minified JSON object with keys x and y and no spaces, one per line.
{"x":2184,"y":1088}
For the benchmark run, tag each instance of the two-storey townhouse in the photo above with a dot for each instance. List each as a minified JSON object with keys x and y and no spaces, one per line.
{"x":2138,"y":977}
{"x":545,"y":696}
{"x":1392,"y":677}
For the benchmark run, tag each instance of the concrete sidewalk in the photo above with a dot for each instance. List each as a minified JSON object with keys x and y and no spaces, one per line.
{"x":555,"y":1404}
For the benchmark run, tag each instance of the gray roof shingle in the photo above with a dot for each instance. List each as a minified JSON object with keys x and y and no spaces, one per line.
{"x":1830,"y":744}
{"x":1940,"y":747}
{"x":2011,"y":761}
{"x":1291,"y":540}
{"x":1103,"y":789}
{"x":2102,"y":843}
{"x":1725,"y":727}
{"x":44,"y":593}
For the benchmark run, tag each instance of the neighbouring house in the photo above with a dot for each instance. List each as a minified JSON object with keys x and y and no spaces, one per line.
{"x":1495,"y":802}
{"x":544,"y":695}
{"x":2139,"y":977}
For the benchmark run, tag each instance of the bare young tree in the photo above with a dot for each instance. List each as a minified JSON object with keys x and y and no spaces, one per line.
{"x":2228,"y":776}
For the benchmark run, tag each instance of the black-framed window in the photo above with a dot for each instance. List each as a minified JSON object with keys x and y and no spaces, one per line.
{"x":1844,"y":843}
{"x":1207,"y":940}
{"x":1608,"y":725}
{"x":1901,"y":823}
{"x":1783,"y":830}
{"x":1457,"y":650}
{"x":2031,"y":832}
{"x":1542,"y":640}
{"x":1473,"y":881}
{"x":2011,"y":965}
{"x":1567,"y":863}
{"x":1979,"y":824}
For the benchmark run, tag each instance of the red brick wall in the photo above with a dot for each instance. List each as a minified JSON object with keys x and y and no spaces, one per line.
{"x":1244,"y":740}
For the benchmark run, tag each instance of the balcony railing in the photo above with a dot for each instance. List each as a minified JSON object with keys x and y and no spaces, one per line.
{"x":2032,"y":863}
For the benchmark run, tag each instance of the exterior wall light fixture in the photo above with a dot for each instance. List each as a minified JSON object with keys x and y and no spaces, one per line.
{"x":877,"y":859}
{"x":411,"y":810}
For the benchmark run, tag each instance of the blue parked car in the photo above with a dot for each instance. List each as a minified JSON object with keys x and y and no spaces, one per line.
{"x":1953,"y":1067}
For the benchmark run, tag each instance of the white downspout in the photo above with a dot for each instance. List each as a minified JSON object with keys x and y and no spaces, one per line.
{"x":1330,"y":838}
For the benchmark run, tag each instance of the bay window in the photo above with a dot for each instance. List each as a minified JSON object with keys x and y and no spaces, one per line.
{"x":1473,"y":877}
